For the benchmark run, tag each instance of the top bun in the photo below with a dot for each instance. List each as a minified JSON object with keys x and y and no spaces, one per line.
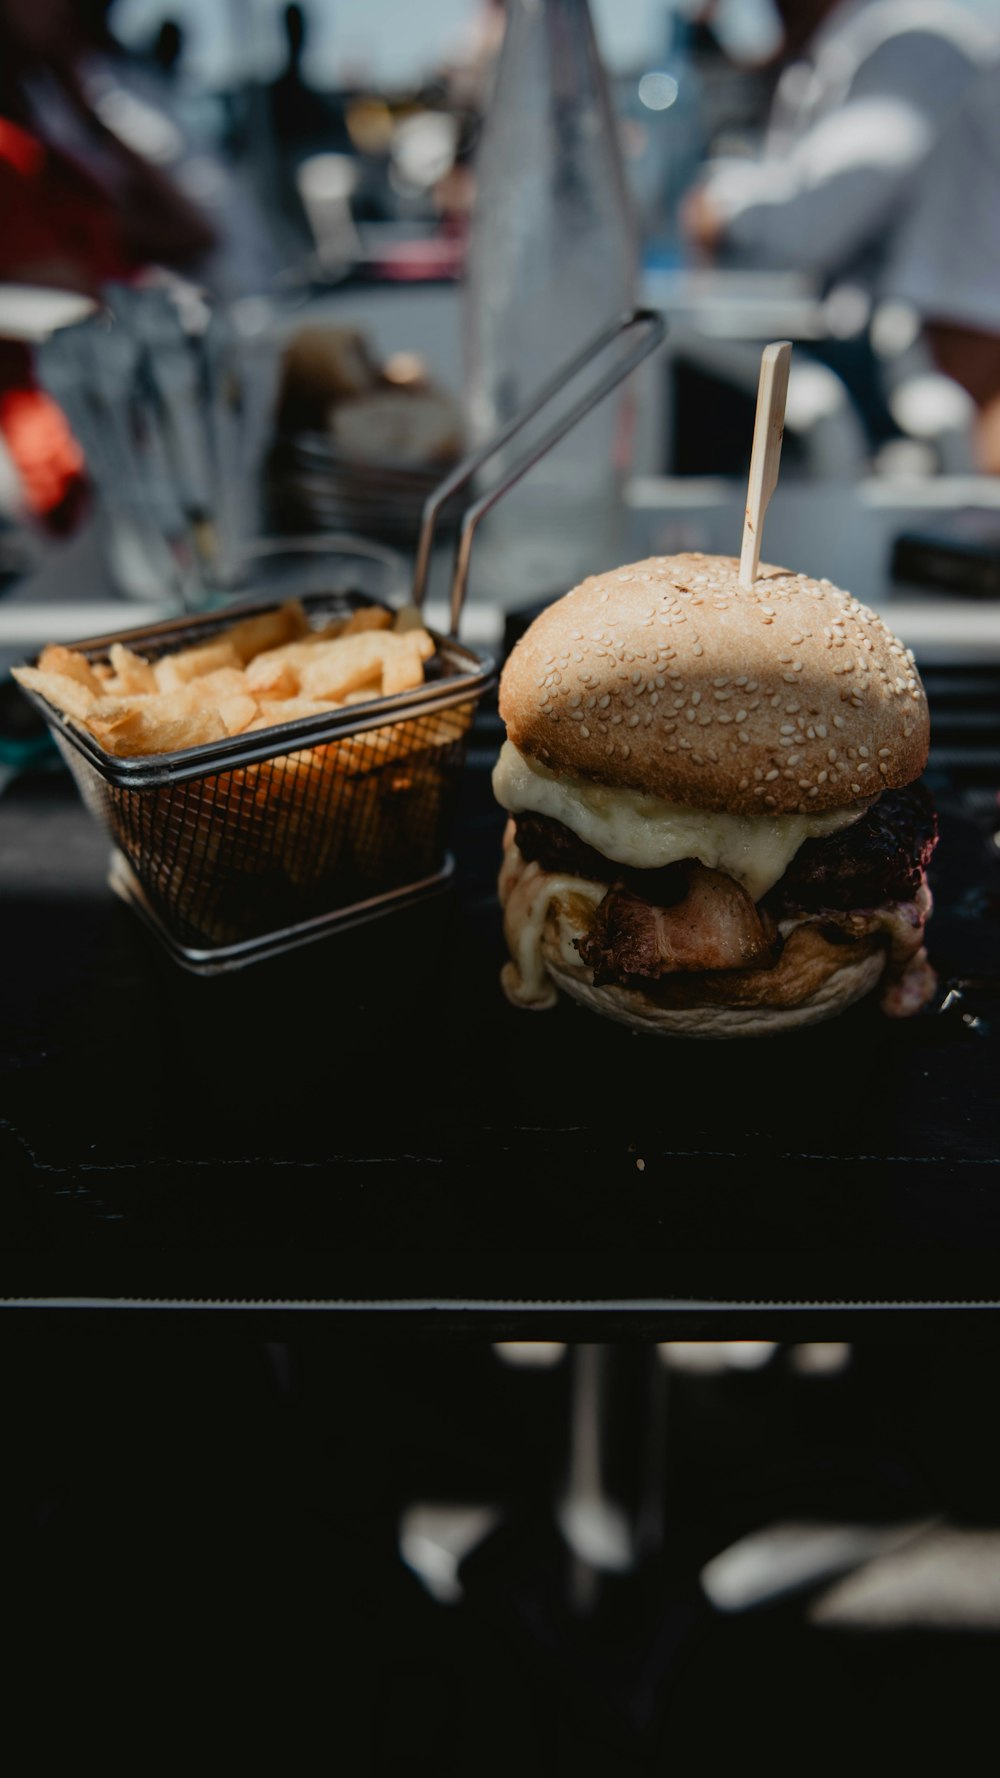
{"x":667,"y":676}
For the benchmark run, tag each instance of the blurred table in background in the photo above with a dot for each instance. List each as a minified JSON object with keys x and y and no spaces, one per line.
{"x":846,"y":533}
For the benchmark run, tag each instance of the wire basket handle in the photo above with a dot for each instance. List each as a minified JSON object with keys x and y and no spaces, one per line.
{"x":652,"y":327}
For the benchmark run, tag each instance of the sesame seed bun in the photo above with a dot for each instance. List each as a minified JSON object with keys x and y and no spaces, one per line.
{"x":667,"y":676}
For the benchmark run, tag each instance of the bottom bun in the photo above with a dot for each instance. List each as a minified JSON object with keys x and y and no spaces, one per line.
{"x":817,"y":976}
{"x":851,"y":982}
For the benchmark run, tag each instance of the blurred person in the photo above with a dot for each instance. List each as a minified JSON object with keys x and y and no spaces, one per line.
{"x":108,"y":209}
{"x":863,"y":90}
{"x":301,"y":123}
{"x":946,"y":261}
{"x":178,"y":130}
{"x":167,"y":48}
{"x":80,"y":206}
{"x":303,"y":120}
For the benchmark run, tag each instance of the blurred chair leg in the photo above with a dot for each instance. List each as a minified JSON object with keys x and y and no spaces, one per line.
{"x":611,"y":1506}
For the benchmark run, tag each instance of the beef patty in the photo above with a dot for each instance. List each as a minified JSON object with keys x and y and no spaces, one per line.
{"x":882,"y":857}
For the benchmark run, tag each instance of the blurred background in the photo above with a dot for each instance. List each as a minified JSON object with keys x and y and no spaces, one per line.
{"x":357,"y":215}
{"x":267,"y":271}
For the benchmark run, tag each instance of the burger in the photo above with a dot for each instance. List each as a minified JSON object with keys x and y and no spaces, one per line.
{"x":716,"y":825}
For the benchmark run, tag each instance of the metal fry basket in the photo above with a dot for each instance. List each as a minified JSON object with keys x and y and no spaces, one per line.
{"x":245,"y":846}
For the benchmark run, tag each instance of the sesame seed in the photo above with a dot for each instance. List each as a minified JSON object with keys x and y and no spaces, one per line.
{"x":696,"y":697}
{"x":585,"y":732}
{"x":771,"y":775}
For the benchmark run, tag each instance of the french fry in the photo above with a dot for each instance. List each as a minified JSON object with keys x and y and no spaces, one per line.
{"x":62,"y":690}
{"x":225,"y":682}
{"x":367,"y":617}
{"x":269,"y":678}
{"x":351,"y":662}
{"x":404,"y":669}
{"x":172,"y":670}
{"x":267,"y":669}
{"x":130,"y":672}
{"x":134,"y":731}
{"x":237,"y":712}
{"x":54,"y":658}
{"x":270,"y":711}
{"x":268,"y":629}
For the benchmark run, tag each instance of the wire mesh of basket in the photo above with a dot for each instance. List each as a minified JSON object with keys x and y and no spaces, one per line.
{"x":240,"y":846}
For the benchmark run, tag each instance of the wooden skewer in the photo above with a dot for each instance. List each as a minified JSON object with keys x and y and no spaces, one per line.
{"x":768,"y":431}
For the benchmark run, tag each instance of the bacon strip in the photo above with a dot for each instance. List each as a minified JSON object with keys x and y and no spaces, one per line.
{"x":715,"y":926}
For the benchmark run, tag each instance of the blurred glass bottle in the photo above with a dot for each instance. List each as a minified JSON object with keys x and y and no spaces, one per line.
{"x":551,"y":259}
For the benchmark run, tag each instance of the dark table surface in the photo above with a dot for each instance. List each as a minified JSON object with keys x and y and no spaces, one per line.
{"x":365,"y":1127}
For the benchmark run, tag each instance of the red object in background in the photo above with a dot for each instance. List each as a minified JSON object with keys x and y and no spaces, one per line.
{"x":59,"y":229}
{"x":44,"y":451}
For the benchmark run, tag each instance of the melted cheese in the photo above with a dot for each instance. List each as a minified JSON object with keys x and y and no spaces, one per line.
{"x":527,"y":893}
{"x":646,"y":832}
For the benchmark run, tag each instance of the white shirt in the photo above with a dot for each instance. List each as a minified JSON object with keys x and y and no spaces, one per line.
{"x":946,"y":258}
{"x":851,"y":125}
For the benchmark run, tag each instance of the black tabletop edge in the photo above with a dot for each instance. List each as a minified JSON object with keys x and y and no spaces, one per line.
{"x":602,"y":1321}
